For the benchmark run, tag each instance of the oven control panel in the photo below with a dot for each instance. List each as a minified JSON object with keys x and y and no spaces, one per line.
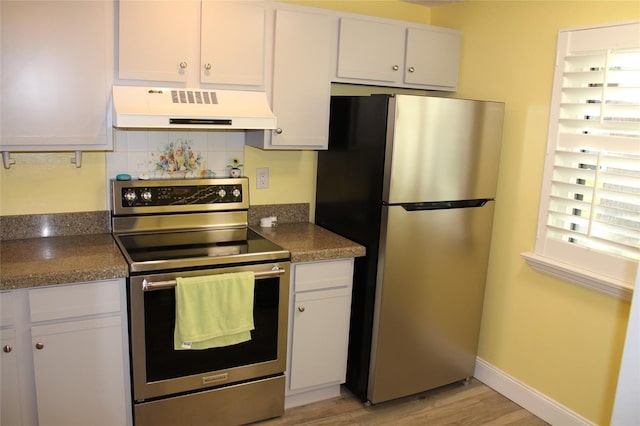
{"x":164,"y":196}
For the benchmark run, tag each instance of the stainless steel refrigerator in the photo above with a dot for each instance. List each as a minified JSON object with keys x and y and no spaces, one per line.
{"x":413,"y":179}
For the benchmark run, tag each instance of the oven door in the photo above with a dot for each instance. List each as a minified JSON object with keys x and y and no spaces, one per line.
{"x":158,"y":370}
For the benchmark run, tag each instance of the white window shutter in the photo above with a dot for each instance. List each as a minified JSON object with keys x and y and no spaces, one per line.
{"x":590,"y":206}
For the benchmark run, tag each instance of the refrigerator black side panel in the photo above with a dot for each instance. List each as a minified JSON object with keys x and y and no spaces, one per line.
{"x":348,"y":202}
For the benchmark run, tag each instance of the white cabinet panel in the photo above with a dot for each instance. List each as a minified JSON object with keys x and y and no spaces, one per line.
{"x":68,"y":363}
{"x":320,"y":336}
{"x":323,"y":275}
{"x":192,"y":41}
{"x":301,"y":90}
{"x":386,"y":52}
{"x":9,"y":381}
{"x":370,"y":50}
{"x":78,"y":370}
{"x":320,"y":312}
{"x":433,"y":57}
{"x":57,"y":61}
{"x":156,"y":38}
{"x":59,"y":302}
{"x":233,"y":40}
{"x":7,"y":308}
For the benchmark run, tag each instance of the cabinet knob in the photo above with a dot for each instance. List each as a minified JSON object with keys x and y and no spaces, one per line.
{"x":183,"y":65}
{"x":207,"y":67}
{"x":301,"y":308}
{"x":279,"y":131}
{"x":395,"y":68}
{"x":411,"y":69}
{"x":39,"y":345}
{"x":7,"y":348}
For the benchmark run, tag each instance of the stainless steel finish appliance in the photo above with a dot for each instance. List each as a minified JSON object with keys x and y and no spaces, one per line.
{"x":168,"y":229}
{"x":413,"y":179}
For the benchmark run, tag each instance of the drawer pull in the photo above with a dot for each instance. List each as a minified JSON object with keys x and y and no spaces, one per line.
{"x":301,"y":308}
{"x":7,"y":348}
{"x":39,"y":345}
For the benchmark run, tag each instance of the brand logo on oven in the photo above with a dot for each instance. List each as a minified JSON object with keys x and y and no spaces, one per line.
{"x":217,"y":378}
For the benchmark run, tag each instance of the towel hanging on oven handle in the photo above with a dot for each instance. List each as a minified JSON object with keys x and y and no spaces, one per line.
{"x":161,"y":285}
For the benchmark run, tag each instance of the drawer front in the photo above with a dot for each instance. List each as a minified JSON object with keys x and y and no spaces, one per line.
{"x":7,"y":305}
{"x":74,"y":300}
{"x":322,"y":275}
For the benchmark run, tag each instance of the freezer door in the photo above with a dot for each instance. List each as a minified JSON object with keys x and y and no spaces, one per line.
{"x":429,"y":298}
{"x":442,"y":149}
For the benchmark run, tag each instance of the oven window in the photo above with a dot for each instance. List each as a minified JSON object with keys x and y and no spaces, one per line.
{"x":163,"y":362}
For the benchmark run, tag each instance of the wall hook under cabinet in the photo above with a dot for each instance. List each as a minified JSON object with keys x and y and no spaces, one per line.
{"x":77,"y":160}
{"x":6,"y":160}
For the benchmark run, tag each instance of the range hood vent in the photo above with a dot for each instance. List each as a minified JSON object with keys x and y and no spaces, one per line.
{"x":137,"y":107}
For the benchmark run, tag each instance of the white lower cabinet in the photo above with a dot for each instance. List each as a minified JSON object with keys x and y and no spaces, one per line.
{"x":68,"y":363}
{"x":9,"y":390}
{"x":318,"y":330}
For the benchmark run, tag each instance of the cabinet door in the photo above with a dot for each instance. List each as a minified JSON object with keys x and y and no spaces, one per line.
{"x":9,"y":382}
{"x":301,"y":79}
{"x":433,"y":57}
{"x":56,"y":74}
{"x":232,"y":43}
{"x":157,"y":39}
{"x":370,"y":50}
{"x":79,"y":372}
{"x":320,"y":337}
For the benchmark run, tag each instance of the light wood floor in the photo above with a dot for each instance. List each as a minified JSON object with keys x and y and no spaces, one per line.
{"x":456,"y":404}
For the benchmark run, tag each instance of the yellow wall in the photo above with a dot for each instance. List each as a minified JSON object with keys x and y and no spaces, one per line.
{"x":49,"y":183}
{"x":563,"y":340}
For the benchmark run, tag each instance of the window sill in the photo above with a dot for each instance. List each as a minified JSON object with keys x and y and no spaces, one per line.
{"x":600,"y":283}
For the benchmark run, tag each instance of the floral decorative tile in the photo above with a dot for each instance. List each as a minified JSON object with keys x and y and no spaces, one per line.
{"x":177,"y":160}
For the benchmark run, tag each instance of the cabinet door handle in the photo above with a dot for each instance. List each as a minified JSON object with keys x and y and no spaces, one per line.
{"x":207,"y":67}
{"x":279,"y":131}
{"x":395,"y":68}
{"x":183,"y":65}
{"x":301,"y":308}
{"x":7,"y":348}
{"x":39,"y":345}
{"x":411,"y":69}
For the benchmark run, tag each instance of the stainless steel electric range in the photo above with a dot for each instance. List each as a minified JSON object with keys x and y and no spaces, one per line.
{"x":168,"y":229}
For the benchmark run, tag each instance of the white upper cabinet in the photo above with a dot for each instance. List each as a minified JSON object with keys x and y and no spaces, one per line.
{"x":370,"y":50}
{"x":301,"y":88}
{"x":56,"y":75}
{"x":155,"y":39}
{"x":392,"y":53}
{"x":233,"y":39}
{"x":433,"y":57}
{"x":192,"y":41}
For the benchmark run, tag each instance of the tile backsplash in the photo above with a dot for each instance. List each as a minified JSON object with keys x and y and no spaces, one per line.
{"x":167,"y":154}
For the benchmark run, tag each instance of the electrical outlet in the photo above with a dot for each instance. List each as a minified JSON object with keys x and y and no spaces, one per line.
{"x":262,"y":178}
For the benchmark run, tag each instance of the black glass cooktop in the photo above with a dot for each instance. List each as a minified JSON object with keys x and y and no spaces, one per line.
{"x":178,"y":249}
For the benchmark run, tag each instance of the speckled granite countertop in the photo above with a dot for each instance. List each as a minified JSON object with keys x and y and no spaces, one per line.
{"x":308,"y":242}
{"x":37,"y":262}
{"x":43,"y":253}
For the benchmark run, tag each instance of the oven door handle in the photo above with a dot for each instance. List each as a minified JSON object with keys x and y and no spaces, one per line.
{"x":161,"y":285}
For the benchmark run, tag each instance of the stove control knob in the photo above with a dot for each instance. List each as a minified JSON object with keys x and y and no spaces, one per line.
{"x":130,"y":195}
{"x":236,"y":192}
{"x":146,"y":195}
{"x":222,"y":193}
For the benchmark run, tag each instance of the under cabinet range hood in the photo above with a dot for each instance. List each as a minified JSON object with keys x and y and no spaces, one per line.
{"x":136,"y":107}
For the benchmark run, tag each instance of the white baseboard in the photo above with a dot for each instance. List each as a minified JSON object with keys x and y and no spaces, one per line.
{"x":303,"y":398}
{"x":530,"y":399}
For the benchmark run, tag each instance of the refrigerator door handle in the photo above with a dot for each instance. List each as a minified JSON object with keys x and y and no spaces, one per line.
{"x":441,"y":205}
